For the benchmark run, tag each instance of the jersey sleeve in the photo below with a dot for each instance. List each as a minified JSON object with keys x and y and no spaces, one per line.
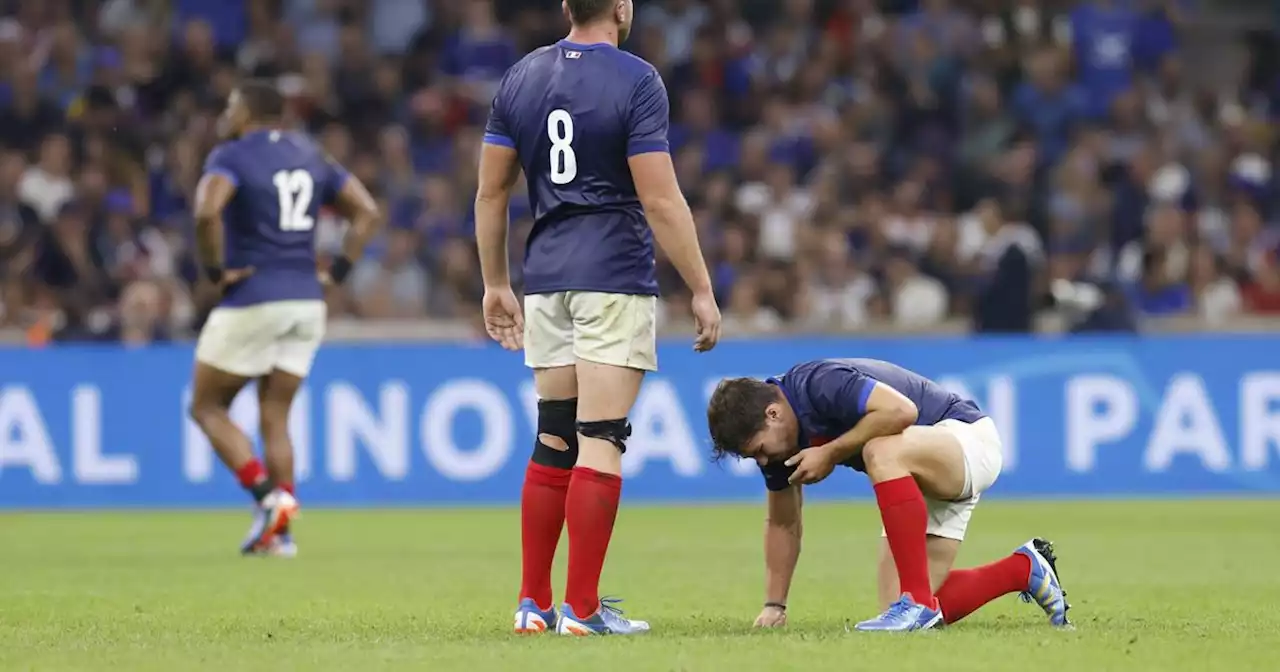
{"x":219,"y":162}
{"x":650,"y":117}
{"x":839,"y":393}
{"x":335,"y":179}
{"x":496,"y":130}
{"x":777,"y":476}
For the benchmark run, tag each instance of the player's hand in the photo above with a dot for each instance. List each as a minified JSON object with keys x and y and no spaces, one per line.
{"x":811,"y":466}
{"x":233,"y":276}
{"x":771,"y":617}
{"x":503,"y":318}
{"x":706,"y":317}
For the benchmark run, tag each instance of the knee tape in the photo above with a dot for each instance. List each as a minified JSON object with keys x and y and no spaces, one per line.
{"x":614,"y":431}
{"x":557,"y":418}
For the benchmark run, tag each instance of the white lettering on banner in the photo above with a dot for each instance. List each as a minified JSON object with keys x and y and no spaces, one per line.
{"x":350,"y":421}
{"x":1002,"y":406}
{"x":87,"y":461}
{"x":737,"y":466}
{"x":24,"y":438}
{"x":1088,"y":425}
{"x":1186,"y":423}
{"x":1259,"y":419}
{"x":529,"y":402}
{"x":436,"y":428}
{"x":660,"y":431}
{"x":197,"y":454}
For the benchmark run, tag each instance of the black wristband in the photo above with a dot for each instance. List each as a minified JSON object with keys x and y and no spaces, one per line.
{"x":214,"y":274}
{"x":776,"y":605}
{"x":339,"y":270}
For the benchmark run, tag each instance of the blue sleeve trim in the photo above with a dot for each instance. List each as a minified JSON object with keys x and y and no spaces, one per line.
{"x":864,"y":394}
{"x":499,"y":140}
{"x":648,"y":147}
{"x":224,"y":173}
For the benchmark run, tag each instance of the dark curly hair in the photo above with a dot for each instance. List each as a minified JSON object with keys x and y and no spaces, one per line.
{"x":736,"y":413}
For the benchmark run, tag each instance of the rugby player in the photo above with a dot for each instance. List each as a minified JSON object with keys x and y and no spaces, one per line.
{"x":930,"y":454}
{"x":267,"y":184}
{"x":588,"y":125}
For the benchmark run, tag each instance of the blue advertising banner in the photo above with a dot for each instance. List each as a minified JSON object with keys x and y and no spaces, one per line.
{"x":453,"y":424}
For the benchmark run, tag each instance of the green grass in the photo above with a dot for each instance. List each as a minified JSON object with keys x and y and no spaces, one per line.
{"x":1154,"y":585}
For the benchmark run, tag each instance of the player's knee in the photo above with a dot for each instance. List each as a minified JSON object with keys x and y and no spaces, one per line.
{"x":201,"y":410}
{"x":880,"y":456}
{"x":614,"y":431}
{"x":557,"y":444}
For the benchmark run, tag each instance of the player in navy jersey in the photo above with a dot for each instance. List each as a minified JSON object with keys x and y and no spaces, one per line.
{"x":256,"y":208}
{"x":588,"y":124}
{"x":929,"y":453}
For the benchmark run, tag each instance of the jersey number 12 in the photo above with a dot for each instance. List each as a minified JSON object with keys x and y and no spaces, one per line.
{"x":294,"y":187}
{"x":564,"y":163}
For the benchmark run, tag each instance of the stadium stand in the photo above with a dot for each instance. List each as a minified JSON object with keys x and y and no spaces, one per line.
{"x":850,"y":163}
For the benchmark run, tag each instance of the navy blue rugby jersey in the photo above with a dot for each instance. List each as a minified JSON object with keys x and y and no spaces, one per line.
{"x":575,"y":113}
{"x":282,"y":179}
{"x":829,"y":397}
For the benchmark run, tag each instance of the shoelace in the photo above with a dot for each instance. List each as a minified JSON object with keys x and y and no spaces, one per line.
{"x":897,"y":610}
{"x":610,"y":611}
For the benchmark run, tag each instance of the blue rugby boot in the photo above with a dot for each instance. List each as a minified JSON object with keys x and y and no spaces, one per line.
{"x":530,"y":620}
{"x":608,"y":620}
{"x":1043,"y":586}
{"x":904,"y":616}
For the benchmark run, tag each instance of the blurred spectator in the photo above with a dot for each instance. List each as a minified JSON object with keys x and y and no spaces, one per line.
{"x":848,"y":162}
{"x":47,"y":186}
{"x":915,"y":300}
{"x":391,"y":284}
{"x":1009,"y":263}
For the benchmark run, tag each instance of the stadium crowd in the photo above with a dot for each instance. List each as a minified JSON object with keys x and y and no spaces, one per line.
{"x":847,"y":161}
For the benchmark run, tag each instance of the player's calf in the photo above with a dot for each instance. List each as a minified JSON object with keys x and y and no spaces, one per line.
{"x":542,"y":510}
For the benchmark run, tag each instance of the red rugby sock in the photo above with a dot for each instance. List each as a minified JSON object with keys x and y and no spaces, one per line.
{"x":966,"y":590}
{"x":541,"y":520}
{"x":590,"y":510}
{"x":905,"y":517}
{"x":251,"y":474}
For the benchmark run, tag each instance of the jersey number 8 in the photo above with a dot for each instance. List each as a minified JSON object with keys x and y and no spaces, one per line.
{"x":295,"y":188}
{"x":564,"y":163}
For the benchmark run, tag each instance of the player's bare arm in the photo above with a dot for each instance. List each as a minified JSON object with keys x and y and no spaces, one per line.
{"x":499,"y":170}
{"x":213,"y":193}
{"x":888,"y":413}
{"x":673,"y":228}
{"x":783,"y":529}
{"x":357,"y":206}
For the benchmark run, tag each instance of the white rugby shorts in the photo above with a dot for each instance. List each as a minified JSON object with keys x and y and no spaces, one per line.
{"x":983,"y":460}
{"x":614,"y":329}
{"x":252,"y":341}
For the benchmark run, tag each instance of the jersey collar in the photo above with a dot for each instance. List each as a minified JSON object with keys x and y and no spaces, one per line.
{"x":585,"y":47}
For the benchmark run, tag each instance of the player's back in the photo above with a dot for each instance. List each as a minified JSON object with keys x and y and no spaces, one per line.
{"x":282,"y":179}
{"x":933,"y":401}
{"x":575,"y":114}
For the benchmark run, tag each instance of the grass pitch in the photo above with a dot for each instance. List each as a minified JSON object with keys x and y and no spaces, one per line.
{"x":1154,"y":586}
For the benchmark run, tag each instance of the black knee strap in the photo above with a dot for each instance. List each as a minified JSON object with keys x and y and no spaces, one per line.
{"x":556,"y":418}
{"x":614,"y":431}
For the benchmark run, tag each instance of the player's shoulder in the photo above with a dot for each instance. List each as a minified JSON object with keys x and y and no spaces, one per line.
{"x":532,"y":61}
{"x":634,"y":65}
